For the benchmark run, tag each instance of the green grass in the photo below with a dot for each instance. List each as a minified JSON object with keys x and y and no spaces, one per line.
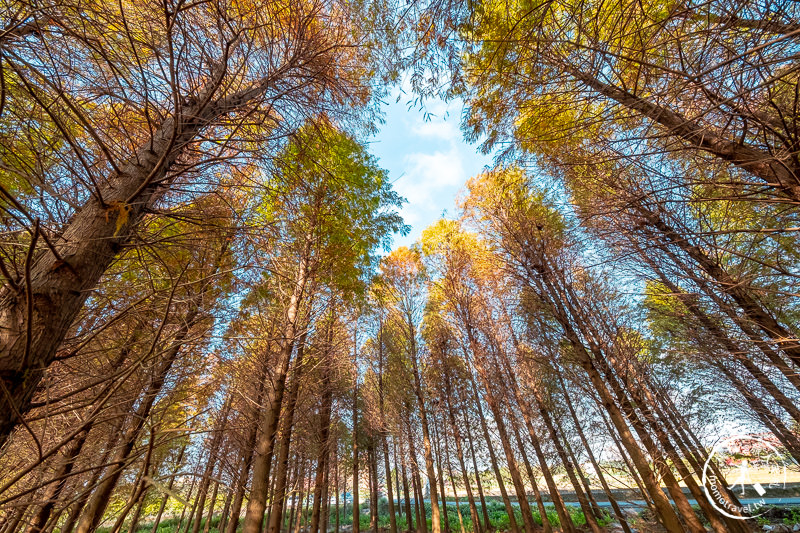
{"x":498,"y":518}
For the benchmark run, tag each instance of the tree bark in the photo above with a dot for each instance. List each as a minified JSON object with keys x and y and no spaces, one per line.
{"x":57,"y":286}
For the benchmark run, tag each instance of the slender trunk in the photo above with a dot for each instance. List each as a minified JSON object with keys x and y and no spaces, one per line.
{"x":213,"y":451}
{"x":555,"y":495}
{"x":598,"y":513}
{"x":441,"y":477}
{"x":389,"y":495}
{"x":137,"y":514}
{"x":493,"y":459}
{"x":461,"y":527}
{"x":185,"y":508}
{"x":165,"y":498}
{"x":407,"y":496}
{"x":487,"y":524}
{"x":61,"y":474}
{"x":356,"y":510}
{"x":373,"y":488}
{"x":97,"y":504}
{"x":324,"y":428}
{"x":511,"y":463}
{"x":338,"y":488}
{"x":460,"y":454}
{"x":299,"y":510}
{"x":307,"y":503}
{"x":279,"y":494}
{"x":265,"y":441}
{"x":383,"y":434}
{"x":584,"y":441}
{"x":139,"y":486}
{"x":325,"y":519}
{"x":226,"y":509}
{"x":546,"y":526}
{"x":398,"y":490}
{"x":211,"y":506}
{"x":436,"y":525}
{"x":292,"y":506}
{"x":565,"y":460}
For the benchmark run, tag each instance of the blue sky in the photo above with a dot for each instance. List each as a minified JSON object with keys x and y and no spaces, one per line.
{"x":428,"y":160}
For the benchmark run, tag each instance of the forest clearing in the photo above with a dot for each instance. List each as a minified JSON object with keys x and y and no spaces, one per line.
{"x":217,"y":316}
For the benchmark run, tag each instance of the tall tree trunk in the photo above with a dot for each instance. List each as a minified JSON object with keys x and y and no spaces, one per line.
{"x":325,"y":512}
{"x":565,"y":460}
{"x":338,"y":489}
{"x":97,"y":504}
{"x":461,"y":527}
{"x":407,"y":498}
{"x":62,"y":278}
{"x":511,"y":463}
{"x":555,"y":495}
{"x":576,"y":422}
{"x":139,"y":486}
{"x":473,"y":511}
{"x":436,"y":525}
{"x":326,"y":406}
{"x":546,"y":526}
{"x":397,"y":478}
{"x":356,"y":509}
{"x":487,"y":524}
{"x":390,"y":494}
{"x":373,"y":489}
{"x":170,"y":484}
{"x":493,"y":458}
{"x":211,"y":506}
{"x":213,"y":452}
{"x":419,"y":492}
{"x":60,"y":477}
{"x":279,"y":494}
{"x":265,"y":440}
{"x":438,"y":453}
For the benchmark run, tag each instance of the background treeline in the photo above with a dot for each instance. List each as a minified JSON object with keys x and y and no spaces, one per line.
{"x":196,"y":331}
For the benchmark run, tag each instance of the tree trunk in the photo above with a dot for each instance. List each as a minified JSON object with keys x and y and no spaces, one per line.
{"x":356,"y":509}
{"x":487,"y":524}
{"x":473,"y":511}
{"x":279,"y":494}
{"x":407,"y":497}
{"x":213,"y":452}
{"x":493,"y":459}
{"x":436,"y":525}
{"x":60,"y":477}
{"x":97,"y":504}
{"x":324,"y":427}
{"x":59,"y":284}
{"x":265,"y":441}
{"x":390,"y":494}
{"x":576,"y":421}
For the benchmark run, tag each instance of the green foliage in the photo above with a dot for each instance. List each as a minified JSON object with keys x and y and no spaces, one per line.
{"x":327,"y":196}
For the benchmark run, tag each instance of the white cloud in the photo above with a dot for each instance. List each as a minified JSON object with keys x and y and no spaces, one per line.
{"x":436,"y":127}
{"x":438,"y":119}
{"x":436,"y":170}
{"x":429,"y":183}
{"x":427,"y":159}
